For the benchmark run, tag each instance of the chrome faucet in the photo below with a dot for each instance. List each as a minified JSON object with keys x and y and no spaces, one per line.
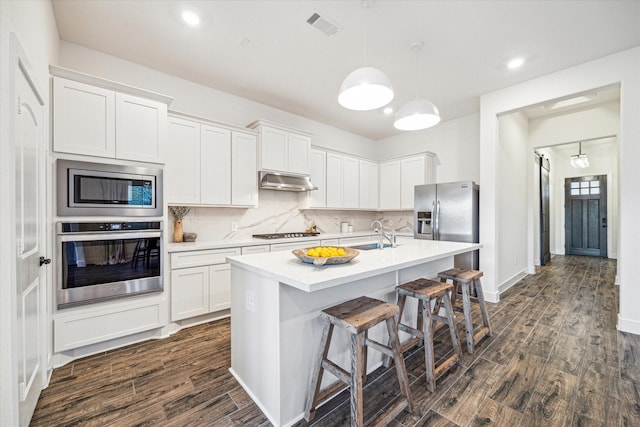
{"x":382,"y":235}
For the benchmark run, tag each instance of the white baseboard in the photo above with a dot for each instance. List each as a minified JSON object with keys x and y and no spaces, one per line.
{"x":512,"y":281}
{"x":628,"y":325}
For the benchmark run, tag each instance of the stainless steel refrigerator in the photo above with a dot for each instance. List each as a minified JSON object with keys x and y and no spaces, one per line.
{"x":449,"y":211}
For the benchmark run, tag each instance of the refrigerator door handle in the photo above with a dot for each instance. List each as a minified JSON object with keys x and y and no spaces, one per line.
{"x":434,"y":223}
{"x":438,"y":218}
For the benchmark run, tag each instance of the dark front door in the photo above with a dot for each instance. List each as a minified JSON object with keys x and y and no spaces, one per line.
{"x":586,"y":216}
{"x":545,"y":253}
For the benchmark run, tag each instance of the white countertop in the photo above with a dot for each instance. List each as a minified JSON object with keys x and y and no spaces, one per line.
{"x":222,"y":244}
{"x":287,"y":269}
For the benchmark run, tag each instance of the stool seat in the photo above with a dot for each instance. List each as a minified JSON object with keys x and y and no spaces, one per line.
{"x":356,"y":317}
{"x":425,"y":291}
{"x":360,"y":314}
{"x":451,"y":274}
{"x":469,"y":282}
{"x":424,"y":287}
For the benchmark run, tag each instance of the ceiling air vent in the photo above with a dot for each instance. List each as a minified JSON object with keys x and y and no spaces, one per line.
{"x":322,"y":24}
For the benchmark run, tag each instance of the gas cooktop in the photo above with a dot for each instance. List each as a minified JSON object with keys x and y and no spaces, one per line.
{"x":284,"y":235}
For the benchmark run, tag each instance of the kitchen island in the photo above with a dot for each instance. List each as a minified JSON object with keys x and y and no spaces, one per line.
{"x":275,"y":303}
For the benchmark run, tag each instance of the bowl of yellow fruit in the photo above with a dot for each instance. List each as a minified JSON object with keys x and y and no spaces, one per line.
{"x":326,"y":255}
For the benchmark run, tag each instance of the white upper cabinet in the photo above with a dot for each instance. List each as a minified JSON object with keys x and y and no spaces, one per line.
{"x":318,"y":169}
{"x":274,"y":148}
{"x":182,"y":171}
{"x":398,"y":179}
{"x":342,"y":181}
{"x":215,"y":165}
{"x":141,"y":127}
{"x":412,"y":173}
{"x":95,"y":117}
{"x":210,"y":165}
{"x":350,"y":186}
{"x":334,"y":180}
{"x":368,"y":183}
{"x":282,"y":149}
{"x":390,"y":185}
{"x":83,"y":119}
{"x":244,"y":178}
{"x":299,"y":147}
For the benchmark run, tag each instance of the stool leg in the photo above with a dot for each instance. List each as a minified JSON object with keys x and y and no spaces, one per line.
{"x":427,"y":327}
{"x":318,"y":370}
{"x":357,"y":416}
{"x":468,"y":319}
{"x":401,"y":370}
{"x":483,"y":309}
{"x":452,"y":327}
{"x":364,"y":358}
{"x":400,"y":302}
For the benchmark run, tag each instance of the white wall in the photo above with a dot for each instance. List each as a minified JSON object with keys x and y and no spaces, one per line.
{"x":577,"y":125}
{"x":512,"y":209}
{"x":34,"y":25}
{"x":455,"y":142}
{"x":622,"y":68}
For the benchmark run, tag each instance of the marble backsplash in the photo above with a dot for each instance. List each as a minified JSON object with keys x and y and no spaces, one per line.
{"x":281,"y":212}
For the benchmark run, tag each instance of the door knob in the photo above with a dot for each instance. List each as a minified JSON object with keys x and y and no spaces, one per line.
{"x":44,"y":261}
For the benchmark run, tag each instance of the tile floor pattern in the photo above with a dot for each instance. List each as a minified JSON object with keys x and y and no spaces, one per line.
{"x":555,"y":358}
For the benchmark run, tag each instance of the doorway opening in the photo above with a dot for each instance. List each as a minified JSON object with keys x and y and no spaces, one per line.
{"x":586,"y":216}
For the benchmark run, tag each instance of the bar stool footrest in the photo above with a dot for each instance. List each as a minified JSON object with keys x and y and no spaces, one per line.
{"x":336,"y":370}
{"x":390,"y":413}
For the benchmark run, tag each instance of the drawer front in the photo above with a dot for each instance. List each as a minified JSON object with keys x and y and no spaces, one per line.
{"x":261,"y":249}
{"x":80,"y":330}
{"x":200,"y":258}
{"x":291,"y":246}
{"x":330,"y":242}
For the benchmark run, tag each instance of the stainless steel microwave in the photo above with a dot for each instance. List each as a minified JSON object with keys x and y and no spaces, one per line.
{"x":96,"y":189}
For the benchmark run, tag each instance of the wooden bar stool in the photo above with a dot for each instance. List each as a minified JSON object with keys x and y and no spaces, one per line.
{"x":425,"y":291}
{"x":357,"y":316}
{"x":469,"y":282}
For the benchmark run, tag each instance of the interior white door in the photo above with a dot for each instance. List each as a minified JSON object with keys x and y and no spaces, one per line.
{"x":30,"y":282}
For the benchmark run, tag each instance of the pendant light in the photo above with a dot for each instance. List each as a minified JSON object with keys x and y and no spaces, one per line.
{"x":365,"y":88}
{"x":579,"y":160}
{"x":418,"y":113}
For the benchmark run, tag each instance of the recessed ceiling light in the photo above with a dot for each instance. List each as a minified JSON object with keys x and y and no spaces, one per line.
{"x":515,"y":63}
{"x":388,"y":111}
{"x":191,"y":18}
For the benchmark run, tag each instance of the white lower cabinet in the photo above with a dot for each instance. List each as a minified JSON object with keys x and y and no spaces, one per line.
{"x":200,"y":282}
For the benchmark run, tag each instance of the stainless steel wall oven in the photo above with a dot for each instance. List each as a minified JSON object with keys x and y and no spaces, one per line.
{"x":99,"y":261}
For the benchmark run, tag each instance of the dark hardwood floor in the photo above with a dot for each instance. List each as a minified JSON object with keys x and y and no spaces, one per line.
{"x":555,"y":358}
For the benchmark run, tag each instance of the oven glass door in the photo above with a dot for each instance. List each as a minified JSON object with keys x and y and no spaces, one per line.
{"x":112,"y":189}
{"x":108,"y":266}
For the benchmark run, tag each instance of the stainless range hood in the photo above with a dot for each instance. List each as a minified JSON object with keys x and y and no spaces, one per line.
{"x":284,"y":182}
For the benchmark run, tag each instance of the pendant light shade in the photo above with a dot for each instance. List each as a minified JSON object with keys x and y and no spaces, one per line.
{"x":579,"y":160}
{"x":417,"y":114}
{"x":366,"y":88}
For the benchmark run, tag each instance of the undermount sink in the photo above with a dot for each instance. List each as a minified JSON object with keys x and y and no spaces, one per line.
{"x":370,"y":246}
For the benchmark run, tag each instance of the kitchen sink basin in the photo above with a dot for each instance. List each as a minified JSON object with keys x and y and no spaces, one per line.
{"x":369,"y":246}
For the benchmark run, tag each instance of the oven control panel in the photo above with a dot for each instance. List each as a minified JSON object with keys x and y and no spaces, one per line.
{"x":91,"y":227}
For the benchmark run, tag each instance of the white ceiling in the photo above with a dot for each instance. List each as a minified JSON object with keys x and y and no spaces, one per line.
{"x":286,"y":63}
